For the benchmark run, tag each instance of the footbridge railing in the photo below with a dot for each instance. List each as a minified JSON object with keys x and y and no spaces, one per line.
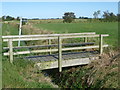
{"x":59,"y":37}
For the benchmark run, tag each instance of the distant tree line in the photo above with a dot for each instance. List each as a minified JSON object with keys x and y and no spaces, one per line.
{"x":107,"y":16}
{"x":7,"y":18}
{"x":70,"y":16}
{"x":10,"y":18}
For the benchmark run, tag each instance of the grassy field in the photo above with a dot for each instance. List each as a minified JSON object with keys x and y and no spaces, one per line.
{"x":20,"y":74}
{"x":110,"y":28}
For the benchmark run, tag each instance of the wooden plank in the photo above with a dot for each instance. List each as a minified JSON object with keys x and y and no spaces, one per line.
{"x":11,"y":50}
{"x":101,"y":44}
{"x":46,"y":38}
{"x":52,"y":45}
{"x":65,"y":63}
{"x":85,"y":47}
{"x":46,"y":35}
{"x":54,"y":50}
{"x":96,"y":35}
{"x":60,"y":54}
{"x":29,"y":39}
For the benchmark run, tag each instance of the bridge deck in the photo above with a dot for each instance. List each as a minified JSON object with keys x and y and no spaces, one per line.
{"x":65,"y":56}
{"x":68,"y":59}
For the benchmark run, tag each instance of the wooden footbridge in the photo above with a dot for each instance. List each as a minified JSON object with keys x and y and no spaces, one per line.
{"x":58,"y":52}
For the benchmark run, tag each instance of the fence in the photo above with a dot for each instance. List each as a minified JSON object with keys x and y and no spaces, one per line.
{"x":10,"y":40}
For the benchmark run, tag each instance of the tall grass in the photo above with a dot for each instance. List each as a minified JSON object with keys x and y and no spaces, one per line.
{"x":101,"y":73}
{"x":17,"y":76}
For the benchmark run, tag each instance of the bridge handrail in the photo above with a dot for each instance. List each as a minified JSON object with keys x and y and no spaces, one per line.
{"x":55,"y":37}
{"x":52,"y":45}
{"x":45,"y":35}
{"x":53,"y":50}
{"x":59,"y":37}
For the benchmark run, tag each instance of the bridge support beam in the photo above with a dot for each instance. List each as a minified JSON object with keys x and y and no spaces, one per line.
{"x":60,"y":54}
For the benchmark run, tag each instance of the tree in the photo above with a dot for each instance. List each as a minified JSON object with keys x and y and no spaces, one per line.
{"x":107,"y":16}
{"x":7,"y":18}
{"x":18,"y":18}
{"x":68,"y":17}
{"x":96,"y":14}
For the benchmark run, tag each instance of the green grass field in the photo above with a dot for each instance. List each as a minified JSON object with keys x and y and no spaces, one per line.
{"x":18,"y":75}
{"x":21,"y":73}
{"x":110,"y":28}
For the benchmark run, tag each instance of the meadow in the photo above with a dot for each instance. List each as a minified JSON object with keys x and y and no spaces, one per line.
{"x":110,"y":28}
{"x":18,"y":74}
{"x":22,"y":74}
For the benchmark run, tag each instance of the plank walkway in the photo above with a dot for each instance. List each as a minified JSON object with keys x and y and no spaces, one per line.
{"x":65,"y":56}
{"x":68,"y":59}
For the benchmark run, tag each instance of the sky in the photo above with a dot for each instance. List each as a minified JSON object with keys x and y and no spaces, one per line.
{"x":45,"y":10}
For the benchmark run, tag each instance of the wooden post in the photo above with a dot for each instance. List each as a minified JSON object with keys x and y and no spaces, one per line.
{"x":49,"y":42}
{"x":10,"y":50}
{"x":60,"y":53}
{"x":101,"y":44}
{"x":85,"y":39}
{"x":20,"y":30}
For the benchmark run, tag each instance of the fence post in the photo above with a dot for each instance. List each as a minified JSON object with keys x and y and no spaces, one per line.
{"x":49,"y":42}
{"x":60,"y":53}
{"x":85,"y":39}
{"x":10,"y":50}
{"x":101,"y":44}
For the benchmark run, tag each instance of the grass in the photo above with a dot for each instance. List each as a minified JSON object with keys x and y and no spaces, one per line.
{"x":110,"y":28}
{"x":16,"y":75}
{"x":22,"y":73}
{"x":102,"y":73}
{"x":10,"y":29}
{"x":0,"y":57}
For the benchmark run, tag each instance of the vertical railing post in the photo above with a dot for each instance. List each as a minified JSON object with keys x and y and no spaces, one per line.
{"x":101,"y":44}
{"x":49,"y":42}
{"x":10,"y":50}
{"x":85,"y":39}
{"x":60,"y":53}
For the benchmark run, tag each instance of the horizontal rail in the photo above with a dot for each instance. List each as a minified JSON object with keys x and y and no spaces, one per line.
{"x":46,"y":35}
{"x":46,"y":38}
{"x":96,"y":35}
{"x":29,"y":39}
{"x":52,"y":45}
{"x":54,"y":50}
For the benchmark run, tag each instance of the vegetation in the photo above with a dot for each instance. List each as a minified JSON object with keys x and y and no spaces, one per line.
{"x":68,"y":17}
{"x":102,"y":73}
{"x":110,"y":16}
{"x":96,"y":14}
{"x":22,"y":73}
{"x":7,"y":18}
{"x":98,"y":27}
